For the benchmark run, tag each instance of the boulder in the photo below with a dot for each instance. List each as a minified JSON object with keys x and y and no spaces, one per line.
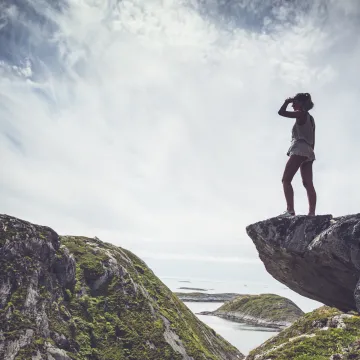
{"x":316,"y":256}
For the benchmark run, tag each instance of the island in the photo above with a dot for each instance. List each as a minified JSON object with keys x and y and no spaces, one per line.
{"x":201,"y":297}
{"x":267,"y":310}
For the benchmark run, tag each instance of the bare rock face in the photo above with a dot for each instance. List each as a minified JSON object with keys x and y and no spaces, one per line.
{"x":318,"y":257}
{"x":72,"y":297}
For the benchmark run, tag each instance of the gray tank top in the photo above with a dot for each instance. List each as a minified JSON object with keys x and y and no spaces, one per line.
{"x":304,"y":132}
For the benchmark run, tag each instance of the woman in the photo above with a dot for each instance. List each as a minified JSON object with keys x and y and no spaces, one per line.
{"x":301,"y":151}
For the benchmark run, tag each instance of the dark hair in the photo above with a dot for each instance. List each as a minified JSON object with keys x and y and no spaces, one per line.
{"x":305,"y":99}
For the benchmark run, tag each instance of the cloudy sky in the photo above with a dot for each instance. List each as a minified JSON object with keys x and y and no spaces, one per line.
{"x":153,"y":124}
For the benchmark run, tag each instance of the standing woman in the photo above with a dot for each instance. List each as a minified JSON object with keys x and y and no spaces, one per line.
{"x":301,"y":151}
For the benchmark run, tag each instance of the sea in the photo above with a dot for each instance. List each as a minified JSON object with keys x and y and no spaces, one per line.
{"x":244,"y":337}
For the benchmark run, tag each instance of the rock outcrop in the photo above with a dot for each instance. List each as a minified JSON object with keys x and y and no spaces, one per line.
{"x":201,"y":297}
{"x":318,"y":257}
{"x":267,"y":310}
{"x":69,"y":297}
{"x":325,"y":333}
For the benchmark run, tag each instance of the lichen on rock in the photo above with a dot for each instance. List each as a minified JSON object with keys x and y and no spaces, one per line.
{"x":70,"y":297}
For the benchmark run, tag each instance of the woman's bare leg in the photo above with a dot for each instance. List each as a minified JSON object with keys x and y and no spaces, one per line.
{"x":307,"y":178}
{"x":292,"y":166}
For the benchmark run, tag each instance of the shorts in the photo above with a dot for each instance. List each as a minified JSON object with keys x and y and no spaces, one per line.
{"x":302,"y":148}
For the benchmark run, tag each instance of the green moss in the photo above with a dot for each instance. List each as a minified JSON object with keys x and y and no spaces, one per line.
{"x":120,"y":320}
{"x":309,"y":339}
{"x":88,"y":259}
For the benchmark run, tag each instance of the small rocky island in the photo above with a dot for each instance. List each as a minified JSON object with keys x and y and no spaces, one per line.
{"x":77,"y":298}
{"x":201,"y":297}
{"x":192,"y":288}
{"x":267,"y":310}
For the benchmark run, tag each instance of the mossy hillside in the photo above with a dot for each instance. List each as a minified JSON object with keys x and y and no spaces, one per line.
{"x":128,"y":312}
{"x":317,"y":335}
{"x":265,"y":306}
{"x":109,"y":306}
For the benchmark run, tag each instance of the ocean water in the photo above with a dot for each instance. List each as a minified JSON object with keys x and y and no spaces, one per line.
{"x":242,"y":336}
{"x":241,"y":287}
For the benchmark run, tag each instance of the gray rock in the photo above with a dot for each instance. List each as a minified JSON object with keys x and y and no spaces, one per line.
{"x":32,"y":268}
{"x":55,"y":353}
{"x":318,"y":257}
{"x":61,"y":341}
{"x":10,"y":348}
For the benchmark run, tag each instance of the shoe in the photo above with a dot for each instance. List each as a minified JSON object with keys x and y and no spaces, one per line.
{"x":287,"y":214}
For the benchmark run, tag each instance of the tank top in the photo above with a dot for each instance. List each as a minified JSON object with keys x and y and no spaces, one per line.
{"x":304,"y":132}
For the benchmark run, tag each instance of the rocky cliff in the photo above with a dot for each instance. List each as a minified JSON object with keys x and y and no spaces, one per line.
{"x":324,"y":334}
{"x":267,"y":310}
{"x":70,"y":297}
{"x":318,"y":257}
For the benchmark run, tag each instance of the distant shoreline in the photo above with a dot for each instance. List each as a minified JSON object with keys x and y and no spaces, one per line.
{"x":205,"y":297}
{"x":192,"y":288}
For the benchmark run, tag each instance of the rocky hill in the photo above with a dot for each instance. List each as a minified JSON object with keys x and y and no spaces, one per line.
{"x":71,"y":297}
{"x":316,"y":256}
{"x":266,"y":310}
{"x":324,"y":334}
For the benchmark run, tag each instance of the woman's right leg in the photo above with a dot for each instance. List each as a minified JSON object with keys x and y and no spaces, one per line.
{"x":292,"y":166}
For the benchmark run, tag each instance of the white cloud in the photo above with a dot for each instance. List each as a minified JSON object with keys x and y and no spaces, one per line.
{"x":158,"y":120}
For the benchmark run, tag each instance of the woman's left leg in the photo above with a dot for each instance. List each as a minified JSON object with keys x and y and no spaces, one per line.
{"x":292,"y":166}
{"x":307,"y":178}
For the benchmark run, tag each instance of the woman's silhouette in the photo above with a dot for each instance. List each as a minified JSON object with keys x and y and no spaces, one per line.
{"x":301,"y":151}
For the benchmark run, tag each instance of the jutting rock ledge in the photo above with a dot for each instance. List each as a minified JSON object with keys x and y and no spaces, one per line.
{"x":318,"y":257}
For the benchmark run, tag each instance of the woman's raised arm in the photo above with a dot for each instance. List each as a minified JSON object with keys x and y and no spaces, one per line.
{"x":298,"y":115}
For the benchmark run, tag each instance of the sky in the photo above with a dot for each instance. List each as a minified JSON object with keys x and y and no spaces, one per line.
{"x":153,"y":124}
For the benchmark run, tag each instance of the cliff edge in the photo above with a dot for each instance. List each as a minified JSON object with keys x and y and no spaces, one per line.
{"x":316,"y":256}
